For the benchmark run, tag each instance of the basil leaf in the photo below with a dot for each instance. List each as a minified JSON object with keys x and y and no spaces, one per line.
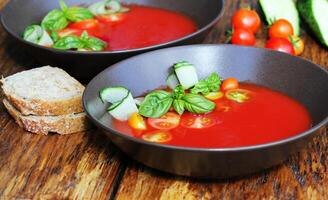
{"x":36,"y":34}
{"x":54,"y":20}
{"x":178,"y":92}
{"x":156,"y":104}
{"x":68,"y":42}
{"x":92,"y":43}
{"x":76,"y":14}
{"x":197,"y":104}
{"x":205,"y":86}
{"x":179,"y":106}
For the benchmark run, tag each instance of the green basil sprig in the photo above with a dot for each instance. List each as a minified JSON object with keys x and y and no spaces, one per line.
{"x":107,"y":7}
{"x":205,"y":86}
{"x":80,"y":43}
{"x":59,"y":19}
{"x":36,"y":34}
{"x":158,"y":103}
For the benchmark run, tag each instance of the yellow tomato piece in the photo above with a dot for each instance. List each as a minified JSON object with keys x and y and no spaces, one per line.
{"x":214,"y":95}
{"x":158,"y":137}
{"x":136,"y":121}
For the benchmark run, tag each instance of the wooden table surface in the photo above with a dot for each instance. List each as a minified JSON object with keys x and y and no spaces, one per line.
{"x":88,"y":166}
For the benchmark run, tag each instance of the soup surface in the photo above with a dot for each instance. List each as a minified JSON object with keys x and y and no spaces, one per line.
{"x":141,"y":26}
{"x":267,"y":116}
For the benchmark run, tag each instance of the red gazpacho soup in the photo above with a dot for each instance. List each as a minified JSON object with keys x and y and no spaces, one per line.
{"x":113,"y":27}
{"x":213,"y":113}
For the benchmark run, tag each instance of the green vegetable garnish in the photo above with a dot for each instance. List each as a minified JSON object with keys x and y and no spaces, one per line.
{"x":197,"y":104}
{"x":80,"y":43}
{"x":205,"y":86}
{"x":107,"y":7}
{"x":59,"y":19}
{"x":156,"y":104}
{"x":36,"y":34}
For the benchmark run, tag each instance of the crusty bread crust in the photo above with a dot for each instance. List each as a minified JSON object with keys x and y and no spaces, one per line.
{"x":65,"y":124}
{"x":39,"y":107}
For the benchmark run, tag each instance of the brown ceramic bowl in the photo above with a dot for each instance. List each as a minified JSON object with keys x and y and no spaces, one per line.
{"x":18,"y":14}
{"x":296,"y":77}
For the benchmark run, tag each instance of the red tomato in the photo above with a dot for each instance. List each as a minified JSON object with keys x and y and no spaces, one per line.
{"x":197,"y":121}
{"x":85,"y":24}
{"x":168,"y":121}
{"x":281,"y":29}
{"x":229,"y":84}
{"x":280,"y":44}
{"x":243,"y":37}
{"x":69,"y":31}
{"x":246,"y":19}
{"x":111,"y":18}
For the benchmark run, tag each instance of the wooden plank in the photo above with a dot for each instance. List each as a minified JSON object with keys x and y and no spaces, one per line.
{"x":303,"y":176}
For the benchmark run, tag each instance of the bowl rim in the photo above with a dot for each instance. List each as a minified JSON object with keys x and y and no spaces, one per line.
{"x":200,"y":149}
{"x":136,"y":50}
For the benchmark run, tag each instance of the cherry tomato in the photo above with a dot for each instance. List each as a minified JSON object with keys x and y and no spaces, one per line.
{"x":197,"y":121}
{"x":297,"y":43}
{"x":111,"y":18}
{"x":136,"y":121}
{"x":246,"y":19}
{"x":229,"y":84}
{"x":214,"y":95}
{"x":168,"y":121}
{"x":157,"y":136}
{"x":69,"y":31}
{"x":280,"y":44}
{"x":238,"y":95}
{"x":281,"y":29}
{"x":85,"y":24}
{"x":243,"y":37}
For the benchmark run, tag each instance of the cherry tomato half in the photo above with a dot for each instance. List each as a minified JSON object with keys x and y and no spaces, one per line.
{"x":246,"y":19}
{"x":168,"y":121}
{"x":280,"y":44}
{"x":197,"y":121}
{"x":229,"y":84}
{"x":85,"y":24}
{"x":297,"y":43}
{"x":136,"y":121}
{"x":243,"y":37}
{"x":238,"y":95}
{"x":69,"y":31}
{"x":157,"y":136}
{"x":112,"y":18}
{"x":281,"y":29}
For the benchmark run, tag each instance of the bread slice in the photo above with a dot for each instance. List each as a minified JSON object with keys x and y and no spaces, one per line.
{"x":63,"y":124}
{"x":44,"y":91}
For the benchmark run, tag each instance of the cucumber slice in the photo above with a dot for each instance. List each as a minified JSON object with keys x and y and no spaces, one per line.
{"x":281,"y":9}
{"x":172,"y":81}
{"x":113,"y":94}
{"x":315,"y":14}
{"x":123,"y":109}
{"x":45,"y":40}
{"x":186,"y":74}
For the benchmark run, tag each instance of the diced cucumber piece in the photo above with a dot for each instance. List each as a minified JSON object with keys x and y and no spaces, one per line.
{"x":45,"y":40}
{"x":172,"y":81}
{"x":315,"y":14}
{"x":113,"y":94}
{"x":123,"y":109}
{"x":186,"y":74}
{"x":281,"y":9}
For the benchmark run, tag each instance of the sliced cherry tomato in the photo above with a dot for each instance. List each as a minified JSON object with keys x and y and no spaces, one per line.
{"x":229,"y":84}
{"x":157,"y":136}
{"x":197,"y":121}
{"x":243,"y":37}
{"x":137,"y":122}
{"x":111,"y":18}
{"x":214,"y":95}
{"x":246,"y":19}
{"x":168,"y":121}
{"x":238,"y":95}
{"x":85,"y":24}
{"x":69,"y":31}
{"x":280,"y":44}
{"x":298,"y":44}
{"x":281,"y":29}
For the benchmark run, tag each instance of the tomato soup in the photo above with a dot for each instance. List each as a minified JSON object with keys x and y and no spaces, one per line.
{"x":267,"y":116}
{"x":141,"y":26}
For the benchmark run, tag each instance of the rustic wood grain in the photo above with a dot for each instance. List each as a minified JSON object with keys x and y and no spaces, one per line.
{"x":88,"y":166}
{"x":303,"y":176}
